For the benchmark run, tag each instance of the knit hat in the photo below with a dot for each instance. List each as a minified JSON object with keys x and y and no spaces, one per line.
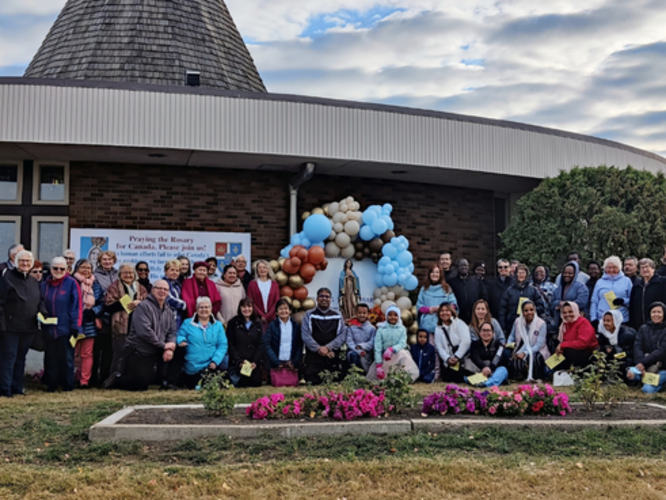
{"x":200,"y":263}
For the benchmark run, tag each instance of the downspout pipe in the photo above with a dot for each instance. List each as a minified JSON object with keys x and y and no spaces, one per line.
{"x":294,"y":183}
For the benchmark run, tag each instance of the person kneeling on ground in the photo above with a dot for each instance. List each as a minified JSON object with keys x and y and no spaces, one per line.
{"x":577,"y":338}
{"x":650,"y":349}
{"x":360,"y":336}
{"x":150,"y":345}
{"x":425,"y":357}
{"x":486,"y":354}
{"x":205,"y":344}
{"x":391,"y":348}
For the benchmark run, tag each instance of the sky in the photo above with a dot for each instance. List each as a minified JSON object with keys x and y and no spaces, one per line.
{"x":593,"y":67}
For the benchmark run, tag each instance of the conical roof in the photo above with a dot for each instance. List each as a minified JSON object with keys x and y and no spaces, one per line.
{"x":147,"y":41}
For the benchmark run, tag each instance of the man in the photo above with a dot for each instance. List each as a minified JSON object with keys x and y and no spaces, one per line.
{"x":498,"y":286}
{"x":11,"y":253}
{"x":241,"y":268}
{"x":323,"y":334}
{"x":467,"y":288}
{"x":445,"y":262}
{"x":151,"y":342}
{"x":360,"y":335}
{"x":70,"y":257}
{"x":582,"y":276}
{"x":512,"y":267}
{"x":594,"y":270}
{"x":630,"y":269}
{"x":213,"y":273}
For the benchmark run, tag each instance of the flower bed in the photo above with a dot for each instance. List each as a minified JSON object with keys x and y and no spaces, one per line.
{"x":524,"y":400}
{"x":361,"y":403}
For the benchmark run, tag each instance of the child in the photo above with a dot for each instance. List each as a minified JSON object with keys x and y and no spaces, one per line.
{"x":360,"y":339}
{"x":391,"y":348}
{"x":424,"y":355}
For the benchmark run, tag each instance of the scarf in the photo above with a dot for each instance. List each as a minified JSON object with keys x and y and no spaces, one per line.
{"x":87,"y":293}
{"x":617,"y":322}
{"x":132,"y":289}
{"x":563,"y":326}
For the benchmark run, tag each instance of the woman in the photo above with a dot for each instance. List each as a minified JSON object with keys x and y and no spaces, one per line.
{"x":650,"y":349}
{"x":616,"y":339}
{"x":529,"y":351}
{"x":121,"y":318}
{"x":264,"y":292}
{"x":92,"y":299}
{"x":391,"y":348}
{"x":174,"y":300}
{"x":62,"y":300}
{"x":577,"y":338}
{"x":570,"y":290}
{"x":486,"y":354}
{"x":283,"y":345}
{"x":244,"y":333}
{"x":205,"y":342}
{"x":612,"y":291}
{"x":452,"y":341}
{"x":481,"y":314}
{"x":20,"y":302}
{"x":649,"y":290}
{"x":105,"y":273}
{"x":231,"y":293}
{"x":541,"y":281}
{"x":350,"y":290}
{"x":37,"y":270}
{"x":143,"y":271}
{"x":516,"y":294}
{"x":200,"y":286}
{"x":185,"y":268}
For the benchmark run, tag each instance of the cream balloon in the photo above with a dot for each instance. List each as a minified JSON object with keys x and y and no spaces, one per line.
{"x":332,"y":250}
{"x":332,"y":235}
{"x":344,"y":219}
{"x":338,"y":227}
{"x":305,"y":215}
{"x":386,"y":304}
{"x":343,"y":207}
{"x":343,"y":240}
{"x":338,"y":217}
{"x":383,"y":297}
{"x":325,"y":208}
{"x":352,"y":228}
{"x":333,"y":208}
{"x":376,"y":293}
{"x":378,"y":302}
{"x":384,"y":290}
{"x":318,"y":210}
{"x":348,"y":251}
{"x":404,"y":303}
{"x":390,"y":296}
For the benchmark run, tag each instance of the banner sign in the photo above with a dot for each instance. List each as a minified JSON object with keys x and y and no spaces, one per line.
{"x":158,"y":247}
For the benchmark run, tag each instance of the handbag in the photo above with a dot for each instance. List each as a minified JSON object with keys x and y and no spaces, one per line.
{"x":284,"y":378}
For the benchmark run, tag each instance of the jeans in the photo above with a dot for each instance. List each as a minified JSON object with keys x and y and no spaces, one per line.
{"x":651,"y":389}
{"x":497,"y":378}
{"x":13,"y":350}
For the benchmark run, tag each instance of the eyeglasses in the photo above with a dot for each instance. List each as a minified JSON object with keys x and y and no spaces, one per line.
{"x":502,"y":267}
{"x":59,"y":268}
{"x":142,"y":271}
{"x":36,"y":271}
{"x":324,"y":296}
{"x":70,"y":259}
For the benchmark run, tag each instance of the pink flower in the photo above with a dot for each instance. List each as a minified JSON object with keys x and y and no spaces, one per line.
{"x":518,"y":398}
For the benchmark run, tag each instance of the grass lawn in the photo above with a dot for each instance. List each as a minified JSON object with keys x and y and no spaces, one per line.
{"x":44,"y":453}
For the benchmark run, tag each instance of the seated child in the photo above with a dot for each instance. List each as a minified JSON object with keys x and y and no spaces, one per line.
{"x":425,"y":357}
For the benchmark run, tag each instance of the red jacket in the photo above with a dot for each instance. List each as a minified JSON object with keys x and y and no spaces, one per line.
{"x":579,"y":335}
{"x":273,"y":296}
{"x":190,"y":294}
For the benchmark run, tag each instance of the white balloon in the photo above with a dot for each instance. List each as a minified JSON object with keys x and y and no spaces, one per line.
{"x":377,"y":293}
{"x":386,"y":304}
{"x":349,"y":199}
{"x":390,"y":296}
{"x":332,"y":250}
{"x":384,"y":290}
{"x":344,"y":218}
{"x":333,"y":208}
{"x":378,"y":302}
{"x":343,"y":207}
{"x":338,"y":217}
{"x":352,"y":228}
{"x":332,"y":235}
{"x":348,"y":251}
{"x":338,"y":227}
{"x":383,"y":297}
{"x":342,"y":240}
{"x":404,"y":303}
{"x":353,"y":216}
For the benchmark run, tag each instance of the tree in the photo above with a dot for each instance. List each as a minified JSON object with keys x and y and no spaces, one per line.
{"x":597,"y":211}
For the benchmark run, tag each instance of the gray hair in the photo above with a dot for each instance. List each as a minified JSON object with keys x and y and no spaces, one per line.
{"x":203,"y":300}
{"x":132,"y":266}
{"x":647,"y":262}
{"x":69,"y":250}
{"x":613,"y":259}
{"x":14,"y":249}
{"x":631,"y":257}
{"x":271,"y":274}
{"x":58,"y":260}
{"x":502,"y":261}
{"x":26,"y":253}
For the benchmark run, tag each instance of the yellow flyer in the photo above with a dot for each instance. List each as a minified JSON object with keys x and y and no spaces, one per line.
{"x":651,"y":379}
{"x":610,"y":297}
{"x":554,"y":360}
{"x":620,"y":355}
{"x":512,"y":345}
{"x":46,"y":321}
{"x":520,"y":304}
{"x":246,"y":369}
{"x":455,"y":367}
{"x":477,"y":378}
{"x":74,"y":340}
{"x":125,"y":300}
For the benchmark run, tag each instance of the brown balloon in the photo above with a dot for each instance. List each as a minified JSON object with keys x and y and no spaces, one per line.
{"x":294,"y":251}
{"x":296,"y":281}
{"x":316,"y":255}
{"x":290,"y":267}
{"x":358,"y":255}
{"x":366,"y":251}
{"x":386,"y":237}
{"x":308,"y":271}
{"x":301,"y":293}
{"x":376,"y":245}
{"x":324,"y":265}
{"x":414,"y":328}
{"x":286,"y":291}
{"x":359,"y":246}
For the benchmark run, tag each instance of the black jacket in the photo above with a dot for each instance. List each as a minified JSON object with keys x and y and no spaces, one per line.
{"x":495,"y":289}
{"x":467,"y":291}
{"x":650,"y":345}
{"x":272,"y":344}
{"x":20,"y":301}
{"x":486,"y":356}
{"x":510,"y":300}
{"x":642,"y":297}
{"x":244,"y":343}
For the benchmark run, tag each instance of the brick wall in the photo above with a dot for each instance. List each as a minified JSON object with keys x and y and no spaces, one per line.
{"x":433,"y":218}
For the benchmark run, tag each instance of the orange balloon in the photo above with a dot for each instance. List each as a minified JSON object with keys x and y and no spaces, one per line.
{"x":308,"y":271}
{"x":307,"y":281}
{"x":294,"y":251}
{"x":316,"y":255}
{"x":324,"y":265}
{"x":290,"y":267}
{"x":301,"y":293}
{"x":302,"y":254}
{"x":286,"y":291}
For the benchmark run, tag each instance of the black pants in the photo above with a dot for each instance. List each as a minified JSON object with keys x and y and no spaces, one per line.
{"x":316,"y":364}
{"x":102,"y":355}
{"x":253,"y":380}
{"x":58,"y":363}
{"x":13,"y":350}
{"x":449,"y":375}
{"x":574,"y":357}
{"x":138,"y":372}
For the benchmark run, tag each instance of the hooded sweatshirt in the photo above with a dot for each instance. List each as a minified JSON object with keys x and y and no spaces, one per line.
{"x":621,"y":286}
{"x":650,"y":345}
{"x":576,"y":292}
{"x":388,"y":335}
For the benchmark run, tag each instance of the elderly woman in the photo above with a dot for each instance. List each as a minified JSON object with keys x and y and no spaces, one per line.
{"x":283,"y":346}
{"x":174,"y":300}
{"x":244,"y":333}
{"x":241,"y":268}
{"x":92,"y":299}
{"x":520,"y":291}
{"x":62,"y":300}
{"x":37,"y":270}
{"x":185,"y":268}
{"x":205,"y":342}
{"x":570,"y":290}
{"x":121,"y":316}
{"x":650,"y":349}
{"x":20,"y":302}
{"x":231,"y":292}
{"x":391,"y":348}
{"x":480,"y":315}
{"x":616,"y":339}
{"x":264,"y":292}
{"x":577,"y":338}
{"x":200,"y":286}
{"x":612,"y":291}
{"x":486,"y":354}
{"x":105,"y":274}
{"x":650,"y":289}
{"x":452,"y":341}
{"x":528,"y":341}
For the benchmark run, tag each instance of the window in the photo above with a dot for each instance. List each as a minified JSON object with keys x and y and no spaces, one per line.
{"x":51,"y":184}
{"x":11,"y":183}
{"x":10,"y":233}
{"x":49,"y":237}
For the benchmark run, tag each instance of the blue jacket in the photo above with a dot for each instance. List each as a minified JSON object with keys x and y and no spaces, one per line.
{"x":204,"y":346}
{"x":271,"y":343}
{"x":432,"y":297}
{"x":577,"y":293}
{"x":426,"y":359}
{"x":88,"y":326}
{"x":62,"y":300}
{"x":620,"y":285}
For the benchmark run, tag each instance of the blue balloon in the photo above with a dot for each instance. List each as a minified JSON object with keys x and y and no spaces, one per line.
{"x":379,"y":226}
{"x":367,"y":233}
{"x":389,"y":251}
{"x":390,"y":279}
{"x":411,"y":283}
{"x":390,"y":225}
{"x":369,"y":216}
{"x":379,"y":280}
{"x":405,"y":258}
{"x":410,"y":268}
{"x":306,"y":242}
{"x":285,"y":251}
{"x":402,"y":278}
{"x":388,"y":269}
{"x":296,"y":239}
{"x":384,"y":261}
{"x":318,"y":244}
{"x":380,"y":269}
{"x":317,"y":227}
{"x":387,"y":209}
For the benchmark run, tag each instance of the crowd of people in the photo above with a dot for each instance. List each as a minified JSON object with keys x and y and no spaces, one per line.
{"x":110,"y":326}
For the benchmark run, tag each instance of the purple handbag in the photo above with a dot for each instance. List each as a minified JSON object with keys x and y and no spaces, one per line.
{"x":284,"y":378}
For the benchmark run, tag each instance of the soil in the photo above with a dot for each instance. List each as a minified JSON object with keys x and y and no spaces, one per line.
{"x":188,"y":416}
